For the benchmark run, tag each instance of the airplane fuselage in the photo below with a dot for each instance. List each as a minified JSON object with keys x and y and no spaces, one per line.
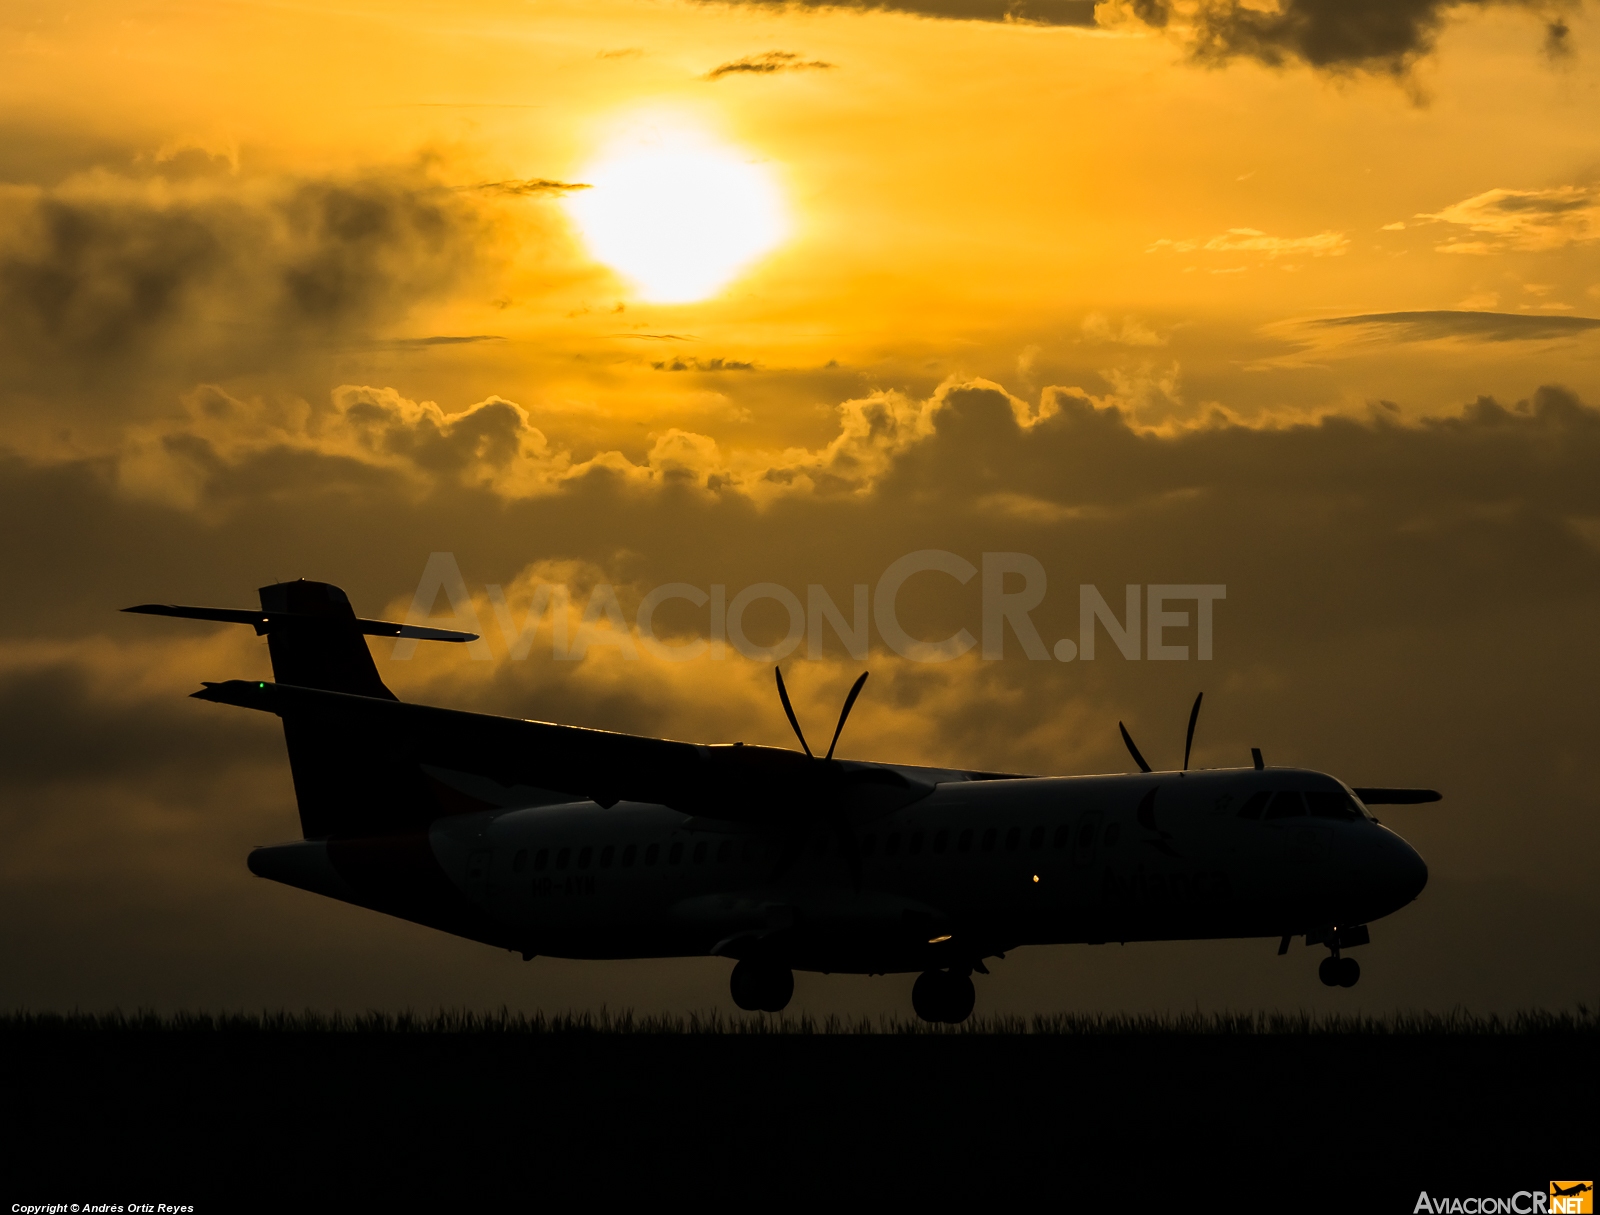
{"x":975,"y":868}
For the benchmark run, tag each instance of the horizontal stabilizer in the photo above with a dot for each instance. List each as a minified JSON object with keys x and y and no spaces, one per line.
{"x":1397,"y":797}
{"x":263,"y":621}
{"x":738,"y":783}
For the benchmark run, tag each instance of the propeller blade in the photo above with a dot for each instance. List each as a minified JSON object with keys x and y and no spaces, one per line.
{"x":849,"y":703}
{"x":783,"y":695}
{"x":1133,"y":750}
{"x":1188,"y":742}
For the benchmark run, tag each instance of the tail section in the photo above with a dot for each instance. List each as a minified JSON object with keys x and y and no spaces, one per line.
{"x":350,"y":779}
{"x":316,"y":641}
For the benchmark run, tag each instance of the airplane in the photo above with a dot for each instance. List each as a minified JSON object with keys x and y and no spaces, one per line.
{"x":563,"y":841}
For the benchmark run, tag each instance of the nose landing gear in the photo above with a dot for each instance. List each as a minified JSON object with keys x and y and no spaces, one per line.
{"x":945,"y":996}
{"x":1339,"y":972}
{"x":761,"y":986}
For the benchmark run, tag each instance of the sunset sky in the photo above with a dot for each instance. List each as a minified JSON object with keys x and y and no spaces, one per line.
{"x":1301,"y":299}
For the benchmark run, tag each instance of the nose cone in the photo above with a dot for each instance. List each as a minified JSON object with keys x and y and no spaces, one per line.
{"x":1403,"y":872}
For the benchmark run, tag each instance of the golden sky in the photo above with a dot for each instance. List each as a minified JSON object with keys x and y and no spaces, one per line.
{"x":1297,"y":298}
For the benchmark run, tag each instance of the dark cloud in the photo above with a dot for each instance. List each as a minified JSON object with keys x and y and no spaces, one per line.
{"x":703,"y":365}
{"x":1385,"y":36}
{"x":533,"y":185}
{"x":1483,"y":326}
{"x":765,"y":64}
{"x":465,"y":339}
{"x":1035,"y":12}
{"x":1558,"y":40}
{"x":216,"y":278}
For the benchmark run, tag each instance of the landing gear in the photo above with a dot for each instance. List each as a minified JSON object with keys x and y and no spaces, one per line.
{"x":1339,"y":972}
{"x":943,"y":996}
{"x":761,"y":986}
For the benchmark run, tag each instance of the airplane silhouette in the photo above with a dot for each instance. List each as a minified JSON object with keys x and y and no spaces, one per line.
{"x":1557,"y":1191}
{"x":558,"y":840}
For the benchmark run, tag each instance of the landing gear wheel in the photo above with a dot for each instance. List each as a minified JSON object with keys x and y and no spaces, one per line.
{"x":1328,"y":972}
{"x":1349,"y":972}
{"x":943,"y":997}
{"x":761,"y":986}
{"x":962,"y":996}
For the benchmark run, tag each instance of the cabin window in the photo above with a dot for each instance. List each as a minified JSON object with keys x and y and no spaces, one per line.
{"x":652,"y":854}
{"x":1330,"y":803}
{"x":1036,"y":839}
{"x":820,"y":845}
{"x":868,"y":843}
{"x":988,"y":840}
{"x":964,"y":841}
{"x":750,"y":847}
{"x":1286,"y":805}
{"x":891,"y":845}
{"x":1063,"y":834}
{"x":1086,"y":836}
{"x":628,"y":854}
{"x":1256,"y":804}
{"x":940,"y":841}
{"x":1013,"y":838}
{"x":585,"y":857}
{"x":563,"y":857}
{"x":541,"y":858}
{"x":724,"y":851}
{"x":606,"y":854}
{"x":915,"y":847}
{"x":1112,"y":831}
{"x":520,"y":861}
{"x":675,"y":856}
{"x":700,"y":853}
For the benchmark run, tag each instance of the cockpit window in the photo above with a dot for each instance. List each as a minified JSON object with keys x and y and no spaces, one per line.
{"x":1286,"y":805}
{"x":1256,"y":804}
{"x":1332,"y":803}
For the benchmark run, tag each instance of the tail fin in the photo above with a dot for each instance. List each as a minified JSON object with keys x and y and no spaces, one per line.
{"x":316,"y":642}
{"x":348,"y":779}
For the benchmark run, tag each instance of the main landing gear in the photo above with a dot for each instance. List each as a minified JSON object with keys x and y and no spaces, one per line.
{"x":761,"y":986}
{"x":943,"y":996}
{"x":1339,"y":972}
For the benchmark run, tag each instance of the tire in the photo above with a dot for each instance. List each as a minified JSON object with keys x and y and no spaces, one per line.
{"x":1349,"y":972}
{"x":744,"y":984}
{"x":777,"y":988}
{"x":960,"y":996}
{"x":927,"y":995}
{"x":1328,"y":972}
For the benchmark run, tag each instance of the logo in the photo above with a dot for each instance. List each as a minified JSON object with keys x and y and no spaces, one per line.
{"x":1572,"y":1198}
{"x":1564,"y":1198}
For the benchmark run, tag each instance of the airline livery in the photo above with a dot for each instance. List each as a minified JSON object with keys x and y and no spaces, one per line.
{"x":577,"y":843}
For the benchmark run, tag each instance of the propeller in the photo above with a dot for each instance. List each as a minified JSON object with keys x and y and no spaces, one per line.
{"x":1188,"y":742}
{"x":835,"y":815}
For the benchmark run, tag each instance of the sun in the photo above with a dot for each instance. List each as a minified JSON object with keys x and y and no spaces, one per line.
{"x":677,"y":213}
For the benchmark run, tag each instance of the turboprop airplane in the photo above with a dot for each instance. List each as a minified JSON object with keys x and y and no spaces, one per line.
{"x":579,"y":843}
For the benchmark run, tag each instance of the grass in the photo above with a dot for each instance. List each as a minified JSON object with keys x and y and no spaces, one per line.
{"x":467,"y":1022}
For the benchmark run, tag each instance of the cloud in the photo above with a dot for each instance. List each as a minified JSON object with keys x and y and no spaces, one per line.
{"x":1527,"y":220}
{"x":1031,"y":12}
{"x":1341,"y":36}
{"x":533,"y":185}
{"x":109,"y":278}
{"x":1338,"y":35}
{"x":1254,"y":241}
{"x":765,"y":64}
{"x":1448,"y":323}
{"x":1098,"y":328}
{"x":703,"y":365}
